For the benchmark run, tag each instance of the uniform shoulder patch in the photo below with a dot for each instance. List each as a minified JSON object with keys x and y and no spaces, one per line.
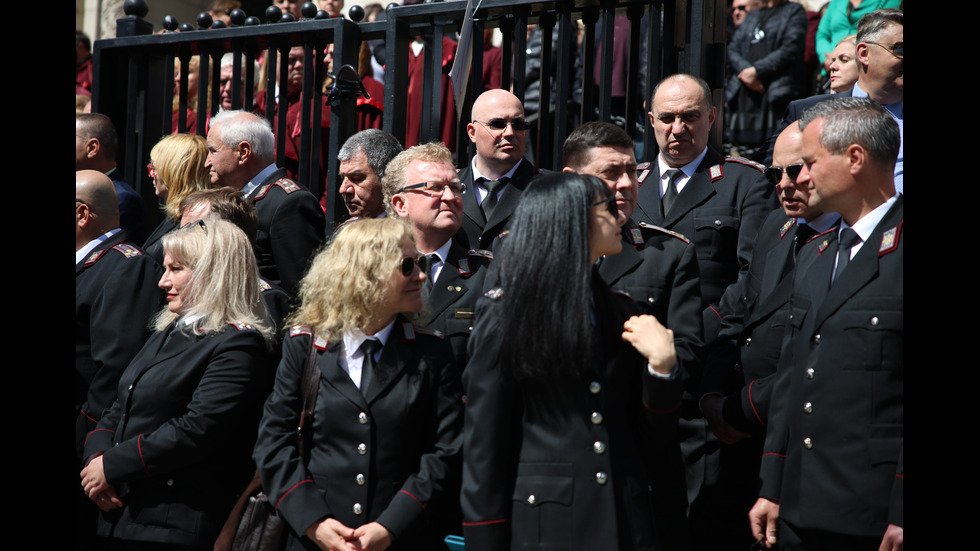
{"x":889,"y":239}
{"x":786,"y":227}
{"x":264,"y":285}
{"x":747,"y":162}
{"x":297,"y":330}
{"x":494,"y":293}
{"x":481,"y":253}
{"x":241,"y":326}
{"x":128,"y":250}
{"x":427,"y":331}
{"x":658,"y":229}
{"x":827,"y":237}
{"x":285,"y":184}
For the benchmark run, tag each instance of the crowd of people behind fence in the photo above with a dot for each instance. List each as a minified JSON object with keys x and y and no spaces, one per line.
{"x":695,"y":351}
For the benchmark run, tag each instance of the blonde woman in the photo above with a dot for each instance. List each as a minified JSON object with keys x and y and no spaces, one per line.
{"x":177,"y":170}
{"x":386,"y":429}
{"x":168,"y":458}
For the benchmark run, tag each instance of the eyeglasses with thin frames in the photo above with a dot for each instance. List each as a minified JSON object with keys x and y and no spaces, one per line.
{"x":897,"y":49}
{"x":437,"y":189}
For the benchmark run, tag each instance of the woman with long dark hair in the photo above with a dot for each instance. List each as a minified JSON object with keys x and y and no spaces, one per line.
{"x":568,"y":395}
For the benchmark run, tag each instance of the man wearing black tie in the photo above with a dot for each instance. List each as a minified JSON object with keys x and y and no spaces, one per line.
{"x":741,"y":364}
{"x":498,"y":172}
{"x":832,"y":470}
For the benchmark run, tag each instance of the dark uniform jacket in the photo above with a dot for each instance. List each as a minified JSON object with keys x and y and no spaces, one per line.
{"x":481,"y":233}
{"x":116,"y":293}
{"x":385,"y":456}
{"x":177,"y":439}
{"x":578,"y":473}
{"x":153,"y":245}
{"x":452,"y":301}
{"x":720,"y":210}
{"x":833,"y":451}
{"x":742,"y":363}
{"x":291,"y":227}
{"x":658,"y":269}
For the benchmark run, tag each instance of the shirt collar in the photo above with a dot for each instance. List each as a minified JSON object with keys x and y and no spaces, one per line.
{"x":258,"y":179}
{"x":687,"y":169}
{"x":80,"y":254}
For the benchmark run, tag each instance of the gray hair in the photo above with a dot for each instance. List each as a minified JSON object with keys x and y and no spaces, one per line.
{"x":242,"y":126}
{"x":860,"y":121}
{"x":228,"y":60}
{"x":378,"y":146}
{"x":870,"y":26}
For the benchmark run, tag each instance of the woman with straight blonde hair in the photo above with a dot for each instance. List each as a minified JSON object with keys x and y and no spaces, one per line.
{"x":385,"y":438}
{"x":177,"y":169}
{"x":168,"y":458}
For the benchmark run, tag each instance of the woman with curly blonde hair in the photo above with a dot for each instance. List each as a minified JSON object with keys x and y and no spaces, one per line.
{"x":386,"y":428}
{"x":177,"y":169}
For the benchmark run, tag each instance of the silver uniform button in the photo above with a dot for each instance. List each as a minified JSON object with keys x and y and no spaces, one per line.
{"x":748,"y":341}
{"x":874,"y":320}
{"x":358,"y":510}
{"x":717,"y":222}
{"x":362,"y":448}
{"x":807,"y":443}
{"x":170,"y":482}
{"x":531,"y":499}
{"x":816,"y":339}
{"x":595,"y":387}
{"x":601,"y":477}
{"x":808,"y":407}
{"x":651,"y":300}
{"x":362,"y":418}
{"x":809,"y":373}
{"x":599,"y":447}
{"x":360,"y":479}
{"x":596,"y":418}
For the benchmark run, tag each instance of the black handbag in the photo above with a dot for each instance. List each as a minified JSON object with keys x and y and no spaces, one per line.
{"x":253,"y":524}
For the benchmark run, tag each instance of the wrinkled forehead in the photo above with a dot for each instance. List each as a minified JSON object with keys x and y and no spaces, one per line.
{"x":430,"y":171}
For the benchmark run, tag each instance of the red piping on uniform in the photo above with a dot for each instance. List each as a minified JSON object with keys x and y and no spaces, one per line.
{"x":89,"y":417}
{"x":752,"y":403}
{"x":95,"y":431}
{"x":673,"y":409}
{"x":775,"y":454}
{"x":498,"y":521}
{"x":290,"y":490}
{"x":139,"y":446}
{"x":715,"y":311}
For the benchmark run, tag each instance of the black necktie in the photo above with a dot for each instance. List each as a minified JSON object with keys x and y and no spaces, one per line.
{"x":848,"y":238}
{"x":492,"y":187}
{"x":670,"y":194}
{"x":369,"y":348}
{"x":429,"y":261}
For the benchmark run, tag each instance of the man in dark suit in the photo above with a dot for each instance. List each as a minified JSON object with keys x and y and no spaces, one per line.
{"x":718,"y":204}
{"x":879,"y":55}
{"x":741,"y":364}
{"x":498,"y":172}
{"x":291,"y":222}
{"x":421,"y":186}
{"x":116,"y":293}
{"x":95,"y":149}
{"x":833,"y":467}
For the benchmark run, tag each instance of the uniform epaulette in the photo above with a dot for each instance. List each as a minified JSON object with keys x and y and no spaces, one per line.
{"x":494,"y":293}
{"x":241,"y":326}
{"x":652,"y":227}
{"x":286,"y":184}
{"x":128,"y":250}
{"x":889,"y":239}
{"x":480,"y":252}
{"x":297,"y":330}
{"x":747,"y":162}
{"x":642,"y":171}
{"x":622,"y":293}
{"x":786,"y":227}
{"x":92,"y":258}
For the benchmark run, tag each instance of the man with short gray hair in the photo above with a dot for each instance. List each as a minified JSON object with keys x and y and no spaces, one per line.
{"x":291,"y":224}
{"x":832,"y":468}
{"x":364,"y":158}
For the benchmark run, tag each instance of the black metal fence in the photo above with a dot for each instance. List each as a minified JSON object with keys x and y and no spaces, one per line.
{"x":134,"y":73}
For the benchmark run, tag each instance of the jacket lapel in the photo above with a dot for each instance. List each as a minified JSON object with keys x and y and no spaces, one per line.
{"x":441,"y":298}
{"x":470,"y":207}
{"x":396,"y":354}
{"x":612,"y":268}
{"x":337,"y":377}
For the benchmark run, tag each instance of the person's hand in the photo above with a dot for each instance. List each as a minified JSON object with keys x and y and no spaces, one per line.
{"x":750,"y":78}
{"x":97,"y":488}
{"x":764,"y":520}
{"x":330,"y":535}
{"x":894,"y":539}
{"x":712,"y":406}
{"x":372,"y":537}
{"x":654,"y":341}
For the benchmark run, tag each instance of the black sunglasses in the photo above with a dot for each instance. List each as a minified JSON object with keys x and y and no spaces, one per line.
{"x":775,"y":173}
{"x":519,"y":125}
{"x":409,"y":264}
{"x":610,"y":204}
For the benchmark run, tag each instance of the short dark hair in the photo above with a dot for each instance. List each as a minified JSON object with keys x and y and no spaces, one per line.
{"x":871,"y":25}
{"x":576,"y":151}
{"x":228,"y":204}
{"x":860,"y":121}
{"x":100,"y":127}
{"x":84,"y":39}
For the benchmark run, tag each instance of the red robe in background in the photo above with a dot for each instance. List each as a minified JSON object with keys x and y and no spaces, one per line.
{"x":416,"y":68}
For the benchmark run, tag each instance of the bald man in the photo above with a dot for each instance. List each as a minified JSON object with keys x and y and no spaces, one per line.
{"x":741,"y":365}
{"x":116,"y":293}
{"x":498,"y":172}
